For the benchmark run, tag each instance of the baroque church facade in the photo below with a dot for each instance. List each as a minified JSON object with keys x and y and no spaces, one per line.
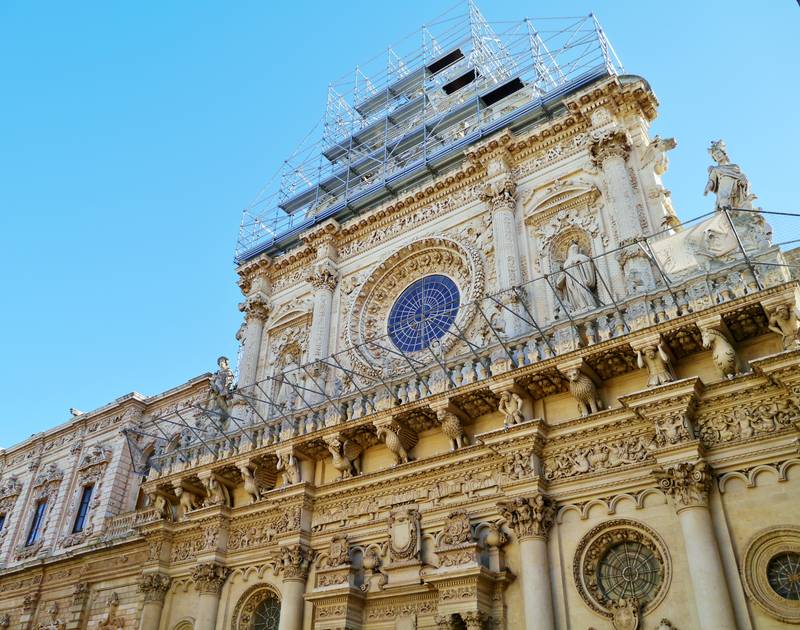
{"x":517,"y":393}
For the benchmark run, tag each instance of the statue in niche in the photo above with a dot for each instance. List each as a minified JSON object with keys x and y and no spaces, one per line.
{"x":288,"y":383}
{"x":727,"y":180}
{"x":222,"y":387}
{"x":578,"y":280}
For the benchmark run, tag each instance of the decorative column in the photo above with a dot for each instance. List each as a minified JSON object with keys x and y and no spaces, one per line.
{"x":688,"y":485}
{"x":208,"y":579}
{"x":500,"y":195}
{"x":254,"y":281}
{"x":610,"y":150}
{"x":295,"y":561}
{"x":531,"y":519}
{"x":154,"y":586}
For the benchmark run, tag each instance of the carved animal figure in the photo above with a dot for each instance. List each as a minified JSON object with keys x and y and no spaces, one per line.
{"x":394,"y":444}
{"x":722,"y":352}
{"x":451,"y":427}
{"x":346,"y":456}
{"x":250,"y":483}
{"x":584,"y":392}
{"x":289,"y":468}
{"x":187,"y":500}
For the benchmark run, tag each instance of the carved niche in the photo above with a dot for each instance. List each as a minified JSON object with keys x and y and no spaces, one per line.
{"x":369,"y":312}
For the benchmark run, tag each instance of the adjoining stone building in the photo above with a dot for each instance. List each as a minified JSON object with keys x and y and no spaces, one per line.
{"x":487,"y":380}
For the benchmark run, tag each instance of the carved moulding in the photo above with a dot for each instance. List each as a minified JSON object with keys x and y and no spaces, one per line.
{"x":592,"y":550}
{"x":369,"y":312}
{"x":762,"y":565}
{"x":249,"y":602}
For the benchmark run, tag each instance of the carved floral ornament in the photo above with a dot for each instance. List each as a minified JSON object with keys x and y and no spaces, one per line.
{"x":373,"y":301}
{"x":249,"y":603}
{"x":771,"y":572}
{"x":620,"y":562}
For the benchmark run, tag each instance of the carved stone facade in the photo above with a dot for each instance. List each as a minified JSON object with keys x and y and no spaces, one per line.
{"x":514,"y":465}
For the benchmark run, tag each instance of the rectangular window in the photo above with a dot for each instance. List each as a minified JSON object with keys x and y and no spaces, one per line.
{"x":36,"y":525}
{"x":83,"y":509}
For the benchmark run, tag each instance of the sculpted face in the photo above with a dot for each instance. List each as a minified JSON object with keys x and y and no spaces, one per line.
{"x":572,"y":375}
{"x":222,"y":362}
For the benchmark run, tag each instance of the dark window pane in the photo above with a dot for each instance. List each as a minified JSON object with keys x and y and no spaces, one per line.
{"x":36,"y":525}
{"x":83,"y":510}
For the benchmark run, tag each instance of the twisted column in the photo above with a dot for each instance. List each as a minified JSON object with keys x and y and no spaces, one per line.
{"x":531,"y":520}
{"x":688,"y":486}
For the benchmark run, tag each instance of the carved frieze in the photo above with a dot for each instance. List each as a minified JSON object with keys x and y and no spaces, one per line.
{"x":598,"y":457}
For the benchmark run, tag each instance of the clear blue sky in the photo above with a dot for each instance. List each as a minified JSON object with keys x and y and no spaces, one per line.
{"x":132,"y":134}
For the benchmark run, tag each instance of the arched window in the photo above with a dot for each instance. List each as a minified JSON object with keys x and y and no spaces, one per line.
{"x":267,"y":614}
{"x":259,"y":608}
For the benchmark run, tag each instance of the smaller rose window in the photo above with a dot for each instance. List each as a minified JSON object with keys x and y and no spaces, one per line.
{"x":423,"y":313}
{"x":783,"y":575}
{"x":629,"y":569}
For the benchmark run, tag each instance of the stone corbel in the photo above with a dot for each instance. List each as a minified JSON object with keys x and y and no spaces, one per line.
{"x":397,"y":437}
{"x":782,"y":317}
{"x":717,"y":338}
{"x":190,"y":495}
{"x":516,"y":404}
{"x":257,"y":479}
{"x":323,"y":239}
{"x":583,"y":385}
{"x":289,"y":467}
{"x":452,"y":420}
{"x":254,"y":276}
{"x":217,"y":489}
{"x":651,"y":351}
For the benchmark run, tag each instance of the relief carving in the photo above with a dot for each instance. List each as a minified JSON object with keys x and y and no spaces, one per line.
{"x":529,"y":517}
{"x":687,"y":484}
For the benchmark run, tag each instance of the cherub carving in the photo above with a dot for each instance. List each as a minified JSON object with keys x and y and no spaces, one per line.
{"x":511,"y":407}
{"x":783,"y":322}
{"x":658,"y":364}
{"x":584,"y":392}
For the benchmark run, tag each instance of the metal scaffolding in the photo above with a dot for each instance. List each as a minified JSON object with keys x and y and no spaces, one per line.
{"x":406,"y":116}
{"x":339,"y":390}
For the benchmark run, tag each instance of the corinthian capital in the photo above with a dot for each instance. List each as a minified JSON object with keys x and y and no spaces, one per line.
{"x":256,"y":306}
{"x":324,"y":275}
{"x":500,"y":194}
{"x":209,"y":577}
{"x":295,"y":561}
{"x":529,"y":518}
{"x":154,"y":586}
{"x":687,"y":484}
{"x":608,"y":144}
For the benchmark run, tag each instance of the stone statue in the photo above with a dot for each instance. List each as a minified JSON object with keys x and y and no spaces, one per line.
{"x":187,"y":500}
{"x":722,"y":352}
{"x":289,"y":468}
{"x":289,"y":380}
{"x":727,"y":180}
{"x":511,"y":408}
{"x":657,"y":362}
{"x":391,"y":437}
{"x":345,"y":456}
{"x":584,"y":392}
{"x":222,"y":387}
{"x":578,"y":281}
{"x":783,"y":321}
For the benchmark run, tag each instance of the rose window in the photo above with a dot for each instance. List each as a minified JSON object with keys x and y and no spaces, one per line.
{"x":783,"y":575}
{"x":629,"y":569}
{"x":267,"y":615}
{"x":423,"y":313}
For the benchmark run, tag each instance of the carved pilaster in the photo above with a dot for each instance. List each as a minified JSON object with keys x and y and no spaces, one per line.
{"x":529,"y":517}
{"x":323,"y":275}
{"x":208,"y":577}
{"x":154,"y":586}
{"x":687,"y":484}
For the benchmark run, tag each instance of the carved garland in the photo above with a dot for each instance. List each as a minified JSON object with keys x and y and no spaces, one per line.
{"x":370,"y":309}
{"x":249,"y":602}
{"x":597,"y":542}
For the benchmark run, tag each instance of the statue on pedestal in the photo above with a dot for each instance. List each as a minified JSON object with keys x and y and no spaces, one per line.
{"x":727,"y":180}
{"x":222,"y":387}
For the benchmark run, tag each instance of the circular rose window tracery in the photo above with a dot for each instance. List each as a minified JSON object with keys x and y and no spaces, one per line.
{"x":621,"y":559}
{"x":423,"y":313}
{"x":771,"y":572}
{"x":368,"y":330}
